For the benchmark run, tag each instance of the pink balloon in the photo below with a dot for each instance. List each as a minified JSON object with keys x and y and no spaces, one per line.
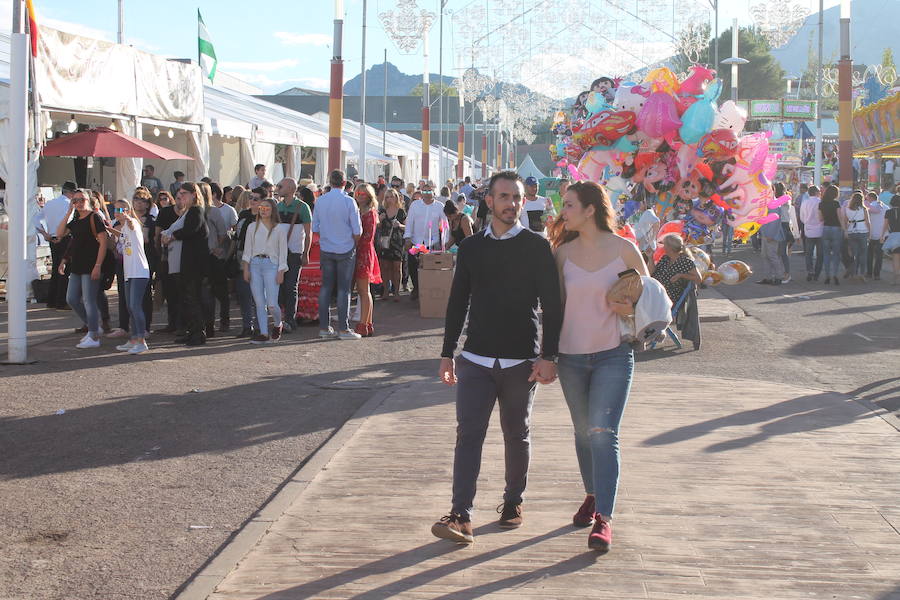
{"x":659,"y":117}
{"x":775,"y":203}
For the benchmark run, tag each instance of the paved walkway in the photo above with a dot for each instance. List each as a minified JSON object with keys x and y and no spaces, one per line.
{"x":731,"y":489}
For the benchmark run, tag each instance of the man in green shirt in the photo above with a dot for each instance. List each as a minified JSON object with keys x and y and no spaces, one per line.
{"x":296,"y":216}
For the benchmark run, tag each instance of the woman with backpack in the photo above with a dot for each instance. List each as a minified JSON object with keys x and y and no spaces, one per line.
{"x":84,"y":259}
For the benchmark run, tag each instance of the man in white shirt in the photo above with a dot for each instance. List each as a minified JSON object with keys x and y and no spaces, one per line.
{"x":53,"y":213}
{"x":425,"y":224}
{"x":535,"y":209}
{"x":874,"y":253}
{"x":812,"y":227}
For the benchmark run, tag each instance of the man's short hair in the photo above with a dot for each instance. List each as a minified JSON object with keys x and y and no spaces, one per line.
{"x":508,"y":175}
{"x":260,"y":191}
{"x":601,"y":80}
{"x":216,"y":189}
{"x":337,"y":178}
{"x":468,"y":179}
{"x":69,"y":186}
{"x":149,"y":168}
{"x":178,"y":174}
{"x":813,"y":190}
{"x":266,"y":185}
{"x":206,"y":180}
{"x":258,"y":167}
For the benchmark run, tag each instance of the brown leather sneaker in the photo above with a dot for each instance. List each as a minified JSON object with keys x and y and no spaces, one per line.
{"x":510,"y":515}
{"x":453,"y":527}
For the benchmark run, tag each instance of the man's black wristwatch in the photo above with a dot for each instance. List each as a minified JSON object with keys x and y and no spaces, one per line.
{"x":550,"y":358}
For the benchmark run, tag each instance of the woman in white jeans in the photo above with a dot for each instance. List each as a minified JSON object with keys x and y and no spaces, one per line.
{"x":265,"y":263}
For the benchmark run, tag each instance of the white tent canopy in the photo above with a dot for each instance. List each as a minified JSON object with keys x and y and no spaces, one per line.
{"x":529,"y":169}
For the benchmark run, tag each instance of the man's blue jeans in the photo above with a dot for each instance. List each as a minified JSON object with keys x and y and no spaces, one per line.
{"x":337,"y":273}
{"x":245,"y":299}
{"x":596,"y":388}
{"x":813,"y":245}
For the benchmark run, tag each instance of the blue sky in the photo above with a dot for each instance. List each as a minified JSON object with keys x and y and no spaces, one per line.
{"x":278,"y":44}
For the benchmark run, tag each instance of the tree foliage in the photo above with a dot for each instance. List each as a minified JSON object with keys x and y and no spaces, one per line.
{"x":762,"y":77}
{"x":434,"y":89}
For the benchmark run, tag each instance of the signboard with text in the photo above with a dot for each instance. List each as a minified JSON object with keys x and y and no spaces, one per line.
{"x":765,"y":109}
{"x":782,"y":109}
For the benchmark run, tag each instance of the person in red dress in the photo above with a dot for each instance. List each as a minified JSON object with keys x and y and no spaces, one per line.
{"x":367,"y":268}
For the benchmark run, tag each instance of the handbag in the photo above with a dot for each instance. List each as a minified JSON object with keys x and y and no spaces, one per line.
{"x":384,"y":241}
{"x":110,"y":265}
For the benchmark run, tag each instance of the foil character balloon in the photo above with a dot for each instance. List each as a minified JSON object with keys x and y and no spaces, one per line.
{"x":734,"y":272}
{"x":730,"y":116}
{"x":604,"y":128}
{"x":659,"y":118}
{"x":595,"y":103}
{"x":698,"y":119}
{"x":695,"y":83}
{"x":662,"y":79}
{"x":718,"y":145}
{"x":631,"y":97}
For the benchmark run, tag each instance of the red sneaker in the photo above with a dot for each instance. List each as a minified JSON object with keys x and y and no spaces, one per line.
{"x":601,"y":535}
{"x":585,"y":515}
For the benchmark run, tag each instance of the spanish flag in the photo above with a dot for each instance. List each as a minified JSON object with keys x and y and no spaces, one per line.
{"x":32,"y":27}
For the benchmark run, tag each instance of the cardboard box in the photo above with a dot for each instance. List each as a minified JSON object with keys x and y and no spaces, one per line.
{"x":434,"y":291}
{"x":436,"y":260}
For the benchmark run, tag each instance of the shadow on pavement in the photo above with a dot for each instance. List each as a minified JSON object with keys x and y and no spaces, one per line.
{"x":416,"y":556}
{"x":852,"y":310}
{"x":860,"y":338}
{"x":149,"y":427}
{"x":877,"y":393}
{"x":806,"y":413}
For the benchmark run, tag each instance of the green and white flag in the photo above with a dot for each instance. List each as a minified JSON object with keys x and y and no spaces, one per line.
{"x":208,"y":60}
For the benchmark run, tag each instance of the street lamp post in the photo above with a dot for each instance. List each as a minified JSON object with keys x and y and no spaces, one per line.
{"x":735,"y":61}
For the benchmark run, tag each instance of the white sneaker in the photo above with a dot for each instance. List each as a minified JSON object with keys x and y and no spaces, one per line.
{"x":138,"y":348}
{"x":89,"y":342}
{"x":786,"y":279}
{"x":86,"y":337}
{"x":349,"y":335}
{"x":125,"y":347}
{"x":328,"y":334}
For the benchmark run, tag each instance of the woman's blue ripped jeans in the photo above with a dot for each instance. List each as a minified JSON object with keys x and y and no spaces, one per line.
{"x":596,"y":388}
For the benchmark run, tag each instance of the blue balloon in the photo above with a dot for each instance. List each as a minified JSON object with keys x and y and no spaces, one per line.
{"x":698,"y":119}
{"x":595,"y":103}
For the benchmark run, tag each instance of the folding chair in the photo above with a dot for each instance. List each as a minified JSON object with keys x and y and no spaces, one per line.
{"x":670,"y":330}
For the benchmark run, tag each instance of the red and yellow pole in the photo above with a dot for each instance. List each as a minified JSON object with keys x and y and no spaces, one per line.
{"x":426,"y":140}
{"x":460,"y":148}
{"x":845,"y":104}
{"x":336,"y":91}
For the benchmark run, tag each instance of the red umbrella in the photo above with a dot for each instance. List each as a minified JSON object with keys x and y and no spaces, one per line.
{"x":105,"y":142}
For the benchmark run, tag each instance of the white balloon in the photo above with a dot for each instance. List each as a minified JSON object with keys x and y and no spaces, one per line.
{"x":730,"y":116}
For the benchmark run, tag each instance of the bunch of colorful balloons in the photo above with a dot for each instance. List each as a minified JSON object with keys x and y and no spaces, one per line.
{"x":671,"y":139}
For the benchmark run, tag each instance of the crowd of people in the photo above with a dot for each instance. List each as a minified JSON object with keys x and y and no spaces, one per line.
{"x":285,"y":252}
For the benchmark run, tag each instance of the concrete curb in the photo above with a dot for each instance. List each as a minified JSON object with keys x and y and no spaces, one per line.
{"x":715,"y":307}
{"x":204,"y":581}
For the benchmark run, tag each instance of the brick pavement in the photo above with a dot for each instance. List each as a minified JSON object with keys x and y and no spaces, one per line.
{"x":731,"y":489}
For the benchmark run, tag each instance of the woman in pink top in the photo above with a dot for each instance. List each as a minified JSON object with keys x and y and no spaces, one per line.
{"x":595,"y":367}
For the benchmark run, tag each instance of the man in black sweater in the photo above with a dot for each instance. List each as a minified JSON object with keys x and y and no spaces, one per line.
{"x":502,"y":274}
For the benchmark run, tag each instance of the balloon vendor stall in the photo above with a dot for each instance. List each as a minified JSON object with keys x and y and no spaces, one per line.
{"x":669,"y":141}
